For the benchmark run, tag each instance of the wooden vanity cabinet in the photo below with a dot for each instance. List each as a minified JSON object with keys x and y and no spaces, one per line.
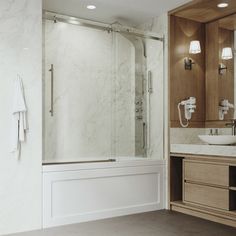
{"x":204,"y":186}
{"x":206,"y":195}
{"x":206,"y":173}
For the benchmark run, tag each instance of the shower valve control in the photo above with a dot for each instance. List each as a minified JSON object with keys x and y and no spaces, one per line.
{"x":139,"y":117}
{"x":139,"y":109}
{"x":139,"y":103}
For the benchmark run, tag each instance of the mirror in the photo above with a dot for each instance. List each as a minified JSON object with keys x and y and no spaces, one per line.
{"x":210,"y":79}
{"x":220,"y":72}
{"x":227,"y":60}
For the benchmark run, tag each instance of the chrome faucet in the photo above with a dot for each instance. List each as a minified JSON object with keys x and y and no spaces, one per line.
{"x":233,"y":125}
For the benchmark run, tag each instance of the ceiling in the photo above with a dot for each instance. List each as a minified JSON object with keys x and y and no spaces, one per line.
{"x":129,"y":12}
{"x":205,"y":10}
{"x":228,"y":23}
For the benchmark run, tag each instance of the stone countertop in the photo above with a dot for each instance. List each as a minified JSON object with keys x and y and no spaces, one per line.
{"x":204,"y":149}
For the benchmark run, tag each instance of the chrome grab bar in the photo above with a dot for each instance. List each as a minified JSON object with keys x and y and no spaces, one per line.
{"x":52,"y":89}
{"x":144,"y":136}
{"x":150,"y":88}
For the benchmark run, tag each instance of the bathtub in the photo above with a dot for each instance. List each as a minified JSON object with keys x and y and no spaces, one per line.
{"x":86,"y":190}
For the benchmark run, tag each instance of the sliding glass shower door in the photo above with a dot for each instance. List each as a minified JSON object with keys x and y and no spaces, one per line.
{"x":81,"y":125}
{"x":100,"y":90}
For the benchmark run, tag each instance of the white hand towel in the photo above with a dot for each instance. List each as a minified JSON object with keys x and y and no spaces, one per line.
{"x":19,"y":119}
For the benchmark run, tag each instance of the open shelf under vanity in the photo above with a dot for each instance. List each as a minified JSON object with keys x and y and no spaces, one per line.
{"x":204,"y":186}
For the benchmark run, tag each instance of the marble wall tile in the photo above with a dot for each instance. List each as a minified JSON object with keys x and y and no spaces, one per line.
{"x":20,"y":50}
{"x":186,"y":136}
{"x":190,"y":136}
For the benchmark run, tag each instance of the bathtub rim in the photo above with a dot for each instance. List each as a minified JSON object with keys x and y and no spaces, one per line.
{"x":111,"y":163}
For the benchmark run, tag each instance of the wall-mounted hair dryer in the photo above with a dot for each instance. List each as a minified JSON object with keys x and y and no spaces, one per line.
{"x":189,"y":108}
{"x":224,"y":107}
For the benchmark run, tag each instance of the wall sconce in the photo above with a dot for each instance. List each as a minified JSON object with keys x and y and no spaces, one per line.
{"x":195,"y":48}
{"x":227,"y":54}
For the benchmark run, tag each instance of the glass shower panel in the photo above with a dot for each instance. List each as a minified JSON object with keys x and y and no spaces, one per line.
{"x":107,"y":94}
{"x":154,"y":53}
{"x":123,"y":138}
{"x":129,"y":96}
{"x":81,"y":126}
{"x":138,"y":95}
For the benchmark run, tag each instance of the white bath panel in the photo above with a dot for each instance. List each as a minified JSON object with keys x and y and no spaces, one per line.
{"x":88,"y":192}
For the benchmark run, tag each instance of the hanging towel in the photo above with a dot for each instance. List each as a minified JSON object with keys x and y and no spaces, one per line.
{"x":19,"y":117}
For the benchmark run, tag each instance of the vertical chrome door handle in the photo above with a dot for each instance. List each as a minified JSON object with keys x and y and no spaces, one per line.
{"x":52,"y":89}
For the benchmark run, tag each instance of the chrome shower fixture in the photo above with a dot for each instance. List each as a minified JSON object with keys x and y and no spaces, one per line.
{"x":55,"y":19}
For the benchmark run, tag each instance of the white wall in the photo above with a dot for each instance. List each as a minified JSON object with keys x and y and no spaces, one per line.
{"x":20,"y":180}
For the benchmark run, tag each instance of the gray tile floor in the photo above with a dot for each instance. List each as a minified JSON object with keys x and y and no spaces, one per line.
{"x":159,"y":223}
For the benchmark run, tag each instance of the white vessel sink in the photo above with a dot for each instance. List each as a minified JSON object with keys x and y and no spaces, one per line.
{"x":218,"y":139}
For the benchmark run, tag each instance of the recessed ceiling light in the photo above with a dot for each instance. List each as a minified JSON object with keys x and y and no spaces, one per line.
{"x":91,"y":7}
{"x":223,"y":5}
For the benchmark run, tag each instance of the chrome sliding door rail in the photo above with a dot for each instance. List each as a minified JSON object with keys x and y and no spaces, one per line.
{"x":55,"y":17}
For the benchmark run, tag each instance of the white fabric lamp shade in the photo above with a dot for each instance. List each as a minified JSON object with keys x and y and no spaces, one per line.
{"x":227,"y":53}
{"x":195,"y":47}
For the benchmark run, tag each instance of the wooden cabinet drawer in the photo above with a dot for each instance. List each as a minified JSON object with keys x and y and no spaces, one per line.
{"x":207,"y":196}
{"x":206,"y":173}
